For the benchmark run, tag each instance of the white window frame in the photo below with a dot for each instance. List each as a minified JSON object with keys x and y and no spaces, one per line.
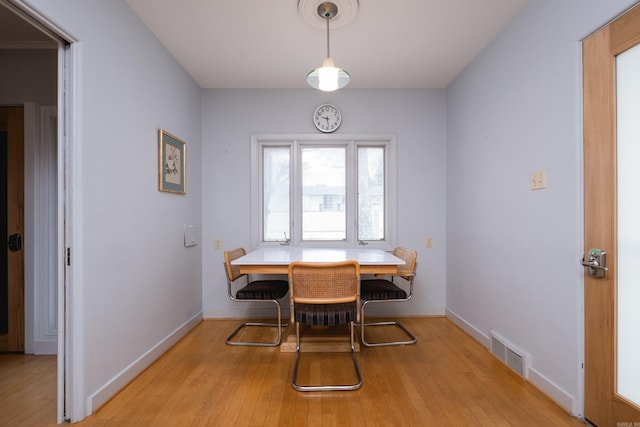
{"x":352,"y":141}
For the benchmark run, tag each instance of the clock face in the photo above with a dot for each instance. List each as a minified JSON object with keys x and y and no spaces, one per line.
{"x":327,"y":118}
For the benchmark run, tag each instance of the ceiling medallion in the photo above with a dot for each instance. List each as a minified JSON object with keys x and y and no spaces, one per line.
{"x":308,"y":10}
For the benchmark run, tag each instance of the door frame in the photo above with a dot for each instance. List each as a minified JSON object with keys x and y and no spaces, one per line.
{"x":70,"y":391}
{"x":71,"y":394}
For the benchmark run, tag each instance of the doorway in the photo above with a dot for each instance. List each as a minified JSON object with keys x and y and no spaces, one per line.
{"x":24,"y":35}
{"x":12,"y":225}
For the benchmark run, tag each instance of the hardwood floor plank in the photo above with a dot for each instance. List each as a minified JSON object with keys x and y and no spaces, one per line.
{"x":446,"y":379}
{"x":27,"y":390}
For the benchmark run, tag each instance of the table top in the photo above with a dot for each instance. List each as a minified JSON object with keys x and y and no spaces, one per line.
{"x":284,"y":255}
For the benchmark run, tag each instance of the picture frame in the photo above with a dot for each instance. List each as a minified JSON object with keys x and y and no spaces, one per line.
{"x":172,"y":163}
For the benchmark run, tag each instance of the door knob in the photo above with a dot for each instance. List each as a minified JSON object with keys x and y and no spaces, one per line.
{"x":15,"y":242}
{"x":596,"y":262}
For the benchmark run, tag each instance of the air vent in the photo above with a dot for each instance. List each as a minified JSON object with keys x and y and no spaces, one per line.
{"x":509,"y":354}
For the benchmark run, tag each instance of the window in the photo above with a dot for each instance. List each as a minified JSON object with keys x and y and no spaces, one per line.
{"x":324,"y":183}
{"x":329,"y":190}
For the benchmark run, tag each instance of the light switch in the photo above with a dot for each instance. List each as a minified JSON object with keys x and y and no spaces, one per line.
{"x":190,"y":232}
{"x":539,"y":180}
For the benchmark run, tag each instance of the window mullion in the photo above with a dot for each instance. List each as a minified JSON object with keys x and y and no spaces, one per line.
{"x":352,"y":193}
{"x":296,"y":194}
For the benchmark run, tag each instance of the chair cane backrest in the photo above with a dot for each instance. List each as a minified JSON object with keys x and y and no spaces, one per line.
{"x":233,"y":271}
{"x":408,"y":270}
{"x":324,"y":283}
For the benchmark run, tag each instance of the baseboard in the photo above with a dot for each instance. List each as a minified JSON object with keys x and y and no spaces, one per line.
{"x":555,"y":393}
{"x":118,"y":382}
{"x":541,"y":382}
{"x":471,"y":330}
{"x":397,"y":310}
{"x":48,"y":347}
{"x":264,"y":311}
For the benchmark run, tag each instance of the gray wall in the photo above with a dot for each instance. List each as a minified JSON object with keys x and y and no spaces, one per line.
{"x":417,"y":119}
{"x":512,"y":253}
{"x":135,"y":283}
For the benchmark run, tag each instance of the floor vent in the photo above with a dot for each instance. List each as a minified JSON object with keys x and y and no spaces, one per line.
{"x":512,"y":356}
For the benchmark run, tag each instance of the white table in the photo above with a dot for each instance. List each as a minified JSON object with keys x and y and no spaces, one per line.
{"x":276,"y":260}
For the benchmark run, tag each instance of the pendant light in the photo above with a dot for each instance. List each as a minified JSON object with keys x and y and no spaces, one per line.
{"x":328,"y":77}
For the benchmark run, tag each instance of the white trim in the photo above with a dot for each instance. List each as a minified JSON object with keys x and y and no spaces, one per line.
{"x":71,"y":396}
{"x":46,"y":218}
{"x":471,"y":330}
{"x":578,"y":404}
{"x":46,"y":346}
{"x":41,"y":322}
{"x":29,"y":219}
{"x":554,"y":392}
{"x":544,"y":384}
{"x":122,"y":378}
{"x":35,"y":18}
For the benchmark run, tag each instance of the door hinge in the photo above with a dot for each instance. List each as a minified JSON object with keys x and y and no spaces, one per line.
{"x":68,"y":256}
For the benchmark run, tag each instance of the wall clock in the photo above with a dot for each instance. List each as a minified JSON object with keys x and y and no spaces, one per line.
{"x":327,"y":118}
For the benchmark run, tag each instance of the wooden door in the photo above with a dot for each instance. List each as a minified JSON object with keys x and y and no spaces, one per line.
{"x":604,"y":405}
{"x":12,"y":312}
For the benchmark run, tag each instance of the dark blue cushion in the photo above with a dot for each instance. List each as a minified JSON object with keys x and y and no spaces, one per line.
{"x":380,"y":289}
{"x":326,"y":315}
{"x":264,"y":289}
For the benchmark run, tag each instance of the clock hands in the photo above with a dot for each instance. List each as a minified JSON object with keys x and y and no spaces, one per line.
{"x":330,"y":115}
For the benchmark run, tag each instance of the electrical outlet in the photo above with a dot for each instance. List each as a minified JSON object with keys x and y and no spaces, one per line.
{"x":539,"y":180}
{"x":217,"y":244}
{"x":428,"y":243}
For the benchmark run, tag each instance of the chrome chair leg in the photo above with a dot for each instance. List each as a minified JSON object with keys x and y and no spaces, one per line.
{"x":412,"y":339}
{"x":278,"y":327}
{"x":333,"y":387}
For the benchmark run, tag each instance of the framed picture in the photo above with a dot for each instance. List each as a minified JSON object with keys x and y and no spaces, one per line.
{"x":172,"y":164}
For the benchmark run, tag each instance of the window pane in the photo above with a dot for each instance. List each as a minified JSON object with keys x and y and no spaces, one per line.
{"x":628,"y":277}
{"x":370,"y":193}
{"x":276,"y":194}
{"x":323,"y":193}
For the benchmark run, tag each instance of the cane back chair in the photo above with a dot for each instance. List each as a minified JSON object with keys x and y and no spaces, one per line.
{"x":381,"y":289}
{"x":267,"y":291}
{"x":325,"y":294}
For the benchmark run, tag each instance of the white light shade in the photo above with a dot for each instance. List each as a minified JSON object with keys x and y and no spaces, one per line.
{"x":328,"y":78}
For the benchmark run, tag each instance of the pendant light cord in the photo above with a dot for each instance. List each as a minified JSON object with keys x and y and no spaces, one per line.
{"x":328,"y":17}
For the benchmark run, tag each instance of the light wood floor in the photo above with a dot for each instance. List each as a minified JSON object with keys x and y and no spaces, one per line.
{"x":446,"y":379}
{"x":27,"y":390}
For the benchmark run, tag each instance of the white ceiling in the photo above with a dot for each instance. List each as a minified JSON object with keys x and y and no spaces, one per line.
{"x":268,"y":44}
